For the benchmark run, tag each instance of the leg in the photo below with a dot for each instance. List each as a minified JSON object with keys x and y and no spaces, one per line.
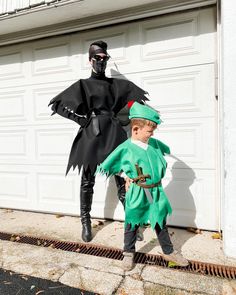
{"x":130,"y":238}
{"x":129,"y":247}
{"x":86,"y":197}
{"x":120,"y":183}
{"x":164,"y":238}
{"x":170,"y":254}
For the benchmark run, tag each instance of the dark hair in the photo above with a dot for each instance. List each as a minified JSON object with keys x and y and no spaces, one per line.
{"x":97,"y":47}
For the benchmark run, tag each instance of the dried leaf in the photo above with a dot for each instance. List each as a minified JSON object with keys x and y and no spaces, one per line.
{"x":17,"y":238}
{"x":32,"y":287}
{"x":25,"y":278}
{"x":38,"y":242}
{"x":39,"y":292}
{"x":122,"y":292}
{"x":78,"y":250}
{"x":52,"y":246}
{"x":216,"y":236}
{"x":97,"y":223}
{"x":59,"y":215}
{"x":194,"y":230}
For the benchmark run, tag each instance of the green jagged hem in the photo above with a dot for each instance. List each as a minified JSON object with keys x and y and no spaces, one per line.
{"x":142,"y":223}
{"x":100,"y":170}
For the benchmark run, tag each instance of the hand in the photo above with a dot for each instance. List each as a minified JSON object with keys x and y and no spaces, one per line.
{"x":128,"y":181}
{"x":82,"y":121}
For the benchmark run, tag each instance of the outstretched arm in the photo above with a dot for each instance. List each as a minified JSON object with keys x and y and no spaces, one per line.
{"x":113,"y":163}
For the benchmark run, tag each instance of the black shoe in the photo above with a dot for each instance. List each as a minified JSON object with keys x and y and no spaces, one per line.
{"x":86,"y":232}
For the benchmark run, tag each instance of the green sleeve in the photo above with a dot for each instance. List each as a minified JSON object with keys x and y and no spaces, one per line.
{"x":156,"y":143}
{"x":163,"y":147}
{"x":113,"y":163}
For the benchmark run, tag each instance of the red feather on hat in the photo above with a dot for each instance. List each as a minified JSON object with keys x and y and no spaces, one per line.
{"x":130,"y":103}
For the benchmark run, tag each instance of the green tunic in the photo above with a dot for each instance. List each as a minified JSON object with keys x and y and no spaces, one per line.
{"x":138,"y":209}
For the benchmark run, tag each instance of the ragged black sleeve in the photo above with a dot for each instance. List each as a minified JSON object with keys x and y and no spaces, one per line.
{"x":70,"y":104}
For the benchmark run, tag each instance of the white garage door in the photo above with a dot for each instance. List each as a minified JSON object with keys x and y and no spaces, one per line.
{"x":172,"y":57}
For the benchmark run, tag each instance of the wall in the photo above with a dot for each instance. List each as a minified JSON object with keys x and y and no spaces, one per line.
{"x":228,"y":96}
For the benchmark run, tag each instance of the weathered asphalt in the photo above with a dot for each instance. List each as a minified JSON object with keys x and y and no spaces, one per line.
{"x":12,"y":283}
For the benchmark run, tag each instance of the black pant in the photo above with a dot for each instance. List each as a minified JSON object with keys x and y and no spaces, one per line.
{"x":162,"y":235}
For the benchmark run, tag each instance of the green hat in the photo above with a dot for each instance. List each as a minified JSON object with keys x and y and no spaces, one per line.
{"x":141,"y":111}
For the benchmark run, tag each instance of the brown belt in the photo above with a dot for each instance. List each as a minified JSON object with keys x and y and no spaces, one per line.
{"x":144,"y":185}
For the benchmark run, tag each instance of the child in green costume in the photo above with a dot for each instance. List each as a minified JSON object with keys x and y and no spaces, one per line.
{"x":141,"y":162}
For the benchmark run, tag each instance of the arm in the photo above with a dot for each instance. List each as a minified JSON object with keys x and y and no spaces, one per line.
{"x":113,"y":163}
{"x":163,"y":147}
{"x":69,"y":104}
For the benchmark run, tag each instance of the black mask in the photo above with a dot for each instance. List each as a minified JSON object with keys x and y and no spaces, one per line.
{"x":99,"y":66}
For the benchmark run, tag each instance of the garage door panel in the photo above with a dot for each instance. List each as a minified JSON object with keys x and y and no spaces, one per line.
{"x":44,"y":188}
{"x":54,"y":61}
{"x":55,"y":193}
{"x":17,"y":187}
{"x":14,"y":186}
{"x":41,"y":98}
{"x":53,"y":145}
{"x":11,"y":65}
{"x":54,"y":186}
{"x":35,"y":146}
{"x":170,"y":37}
{"x":14,"y":144}
{"x":106,"y":203}
{"x":13,"y":105}
{"x":51,"y":59}
{"x":191,"y":192}
{"x":178,"y":93}
{"x":189,"y":141}
{"x":166,"y":40}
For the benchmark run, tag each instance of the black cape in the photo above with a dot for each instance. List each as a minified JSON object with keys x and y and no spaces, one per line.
{"x":94,"y":104}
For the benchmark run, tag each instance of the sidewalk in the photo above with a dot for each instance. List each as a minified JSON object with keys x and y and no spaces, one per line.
{"x":103,"y":275}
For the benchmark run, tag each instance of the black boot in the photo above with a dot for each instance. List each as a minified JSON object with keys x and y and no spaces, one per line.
{"x":86,"y":197}
{"x":120,"y":183}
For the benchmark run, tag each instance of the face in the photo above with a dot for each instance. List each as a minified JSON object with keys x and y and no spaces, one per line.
{"x":99,"y":62}
{"x":142,"y":133}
